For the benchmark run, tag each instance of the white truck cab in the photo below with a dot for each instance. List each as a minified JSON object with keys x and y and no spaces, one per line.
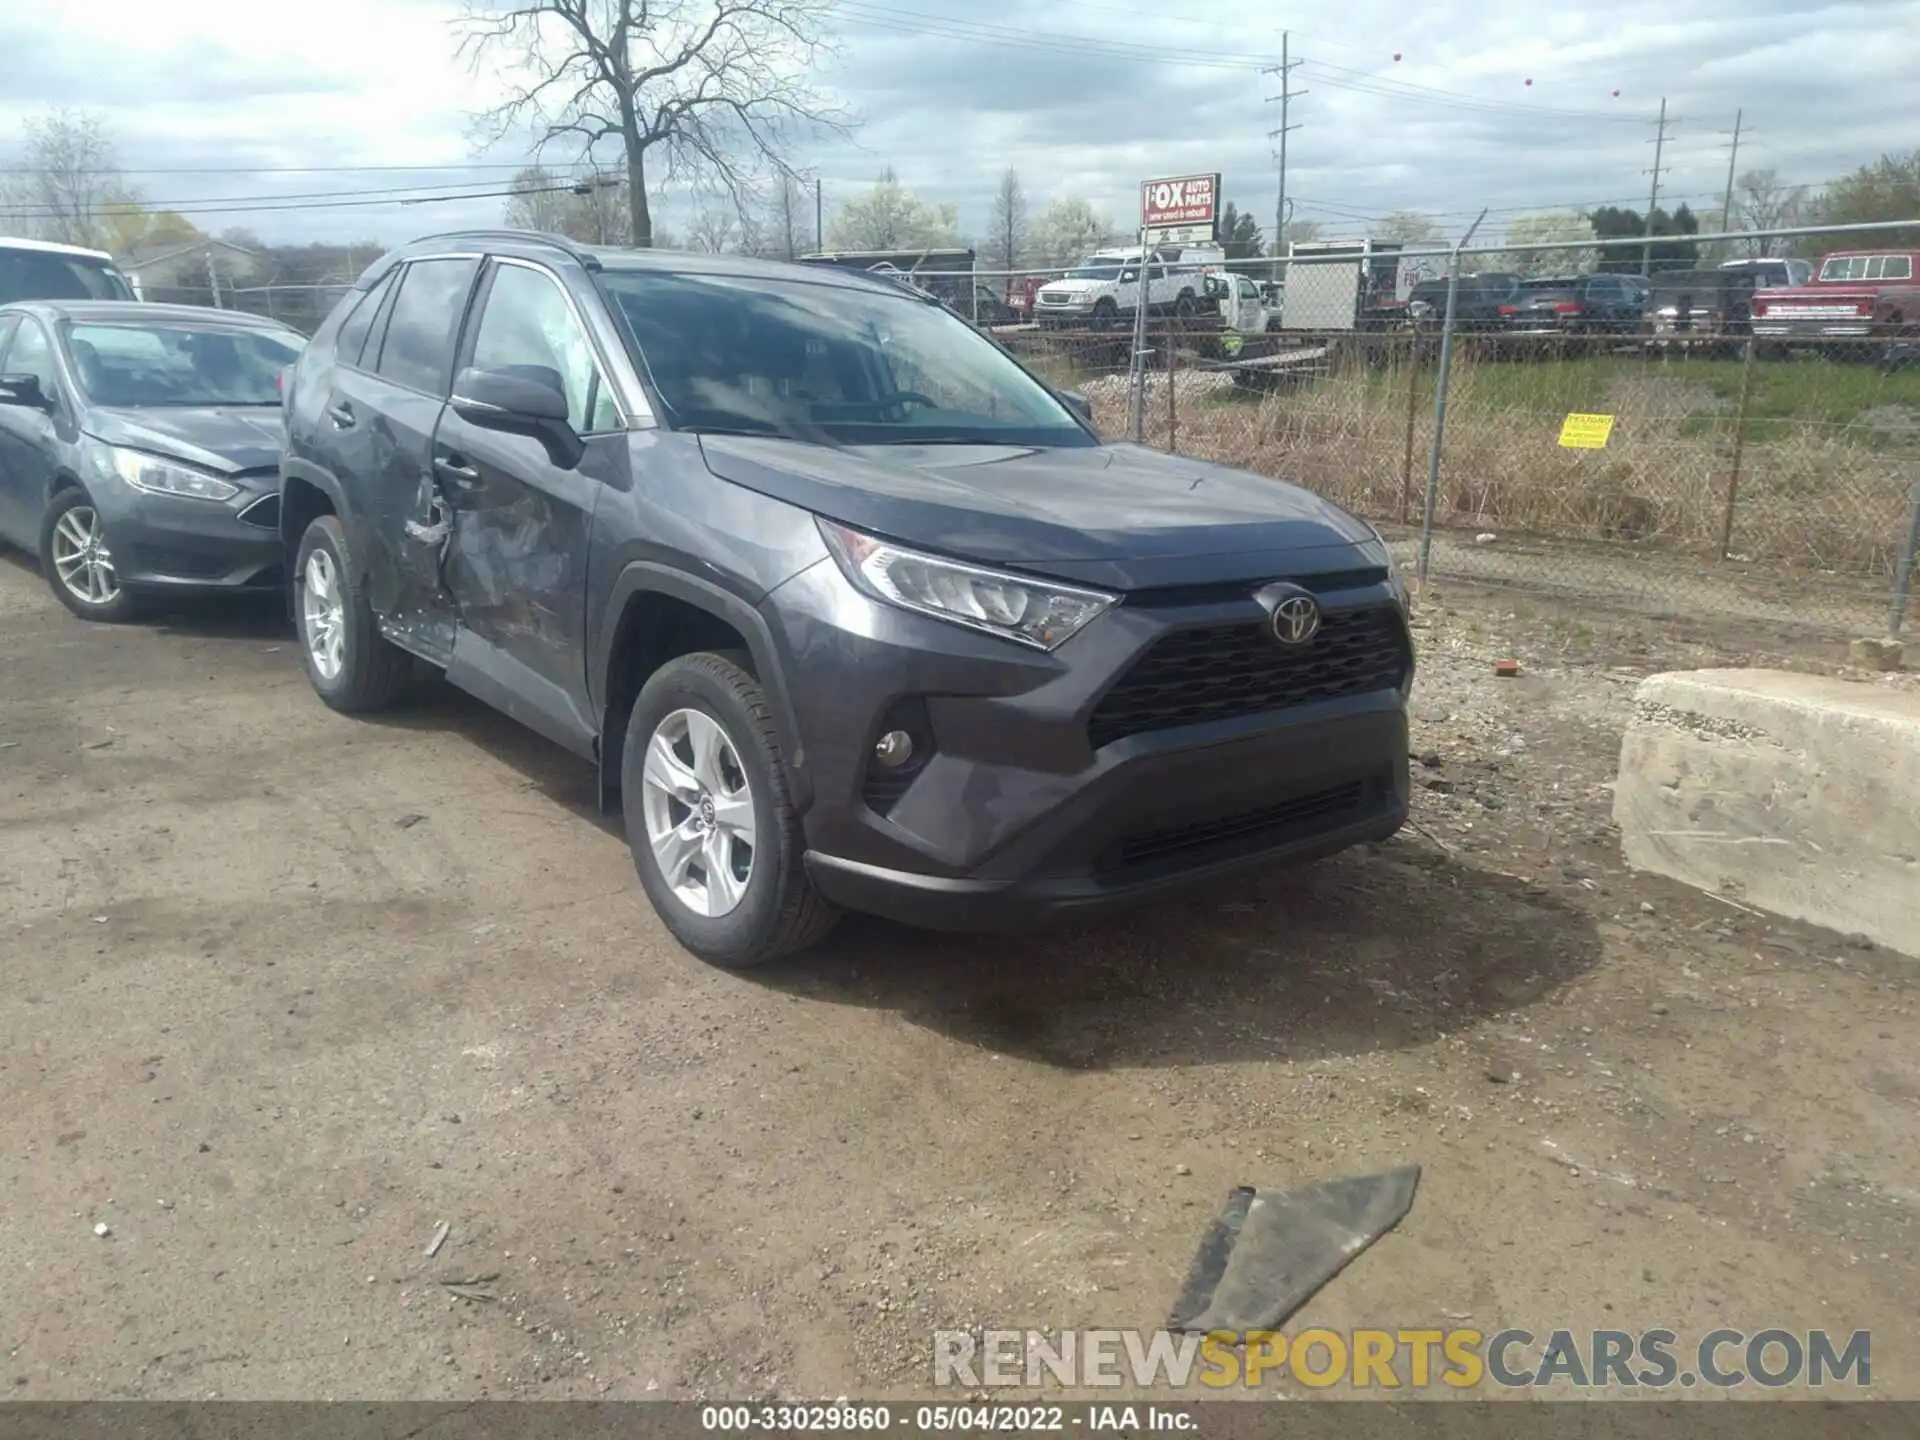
{"x":1106,"y":287}
{"x":1241,"y":304}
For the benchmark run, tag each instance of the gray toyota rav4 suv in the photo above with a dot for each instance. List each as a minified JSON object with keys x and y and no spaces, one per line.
{"x":849,"y":609}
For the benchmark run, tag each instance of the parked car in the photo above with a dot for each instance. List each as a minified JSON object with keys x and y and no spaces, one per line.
{"x":848,"y":608}
{"x":1857,"y":294}
{"x":1106,"y":288}
{"x":1601,"y":304}
{"x":1695,"y":307}
{"x":140,"y":448}
{"x":1770,"y":272}
{"x":1021,"y":293}
{"x":40,"y":270}
{"x":1485,"y":302}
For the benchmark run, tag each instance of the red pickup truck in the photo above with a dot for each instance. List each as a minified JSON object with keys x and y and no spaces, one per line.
{"x":1855,"y":294}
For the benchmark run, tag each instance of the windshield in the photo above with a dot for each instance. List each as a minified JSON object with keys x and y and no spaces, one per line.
{"x":48,"y":275}
{"x":1095,"y":267}
{"x":828,"y":364}
{"x":139,"y":365}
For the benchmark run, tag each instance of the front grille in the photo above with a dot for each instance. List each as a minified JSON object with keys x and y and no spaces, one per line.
{"x":264,"y":512}
{"x":1221,"y":672}
{"x":1320,"y":810}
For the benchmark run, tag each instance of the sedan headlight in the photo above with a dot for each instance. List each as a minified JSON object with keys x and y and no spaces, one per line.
{"x":1035,"y":612}
{"x":153,"y":476}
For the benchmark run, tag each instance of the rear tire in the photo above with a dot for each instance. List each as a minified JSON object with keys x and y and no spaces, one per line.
{"x":353,"y":667}
{"x":768,"y":904}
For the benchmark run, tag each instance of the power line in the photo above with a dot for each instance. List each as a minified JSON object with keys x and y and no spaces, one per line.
{"x":295,"y":169}
{"x":1367,"y":82}
{"x":263,"y":205}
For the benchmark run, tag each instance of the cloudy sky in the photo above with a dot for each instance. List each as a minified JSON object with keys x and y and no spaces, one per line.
{"x":300,"y":122}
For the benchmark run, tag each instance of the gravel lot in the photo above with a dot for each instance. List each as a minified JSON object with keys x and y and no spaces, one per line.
{"x":285,"y":992}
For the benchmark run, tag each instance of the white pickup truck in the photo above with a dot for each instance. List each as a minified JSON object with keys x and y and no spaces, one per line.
{"x":1242,"y":306}
{"x":1104,"y":288}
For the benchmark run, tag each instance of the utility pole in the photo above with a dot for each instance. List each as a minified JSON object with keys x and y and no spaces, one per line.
{"x":1659,"y":143}
{"x":1733,"y":159}
{"x":819,"y":218}
{"x":1284,"y":70}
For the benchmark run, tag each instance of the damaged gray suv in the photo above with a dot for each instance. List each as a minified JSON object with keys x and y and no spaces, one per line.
{"x":848,"y":608}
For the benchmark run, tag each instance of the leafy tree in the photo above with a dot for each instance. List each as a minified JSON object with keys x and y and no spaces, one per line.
{"x":700,"y":90}
{"x":1240,"y":234}
{"x":1888,"y":189}
{"x":1066,"y":230}
{"x":1566,"y":229}
{"x":891,"y":217}
{"x":1007,"y":229}
{"x":1610,"y":222}
{"x":1409,"y":228}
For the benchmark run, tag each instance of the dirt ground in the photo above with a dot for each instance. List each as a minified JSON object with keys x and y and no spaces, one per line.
{"x":286,"y":991}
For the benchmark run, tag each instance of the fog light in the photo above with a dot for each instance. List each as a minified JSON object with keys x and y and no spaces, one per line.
{"x":893,"y":749}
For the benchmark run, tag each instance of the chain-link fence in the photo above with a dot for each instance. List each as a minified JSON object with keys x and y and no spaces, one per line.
{"x":1680,"y":444}
{"x":301,"y":306}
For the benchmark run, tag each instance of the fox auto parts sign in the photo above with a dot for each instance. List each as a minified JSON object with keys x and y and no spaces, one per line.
{"x":1189,"y":204}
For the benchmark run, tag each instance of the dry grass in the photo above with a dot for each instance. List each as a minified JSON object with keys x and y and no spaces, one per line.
{"x":1825,"y":486}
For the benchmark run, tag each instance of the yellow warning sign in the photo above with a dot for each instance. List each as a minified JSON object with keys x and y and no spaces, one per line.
{"x":1586,"y":432}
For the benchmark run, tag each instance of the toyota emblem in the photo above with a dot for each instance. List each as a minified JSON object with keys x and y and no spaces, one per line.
{"x":1296,"y":619}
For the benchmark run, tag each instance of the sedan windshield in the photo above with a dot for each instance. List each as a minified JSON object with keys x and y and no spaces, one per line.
{"x":139,"y":365}
{"x":830,"y":364}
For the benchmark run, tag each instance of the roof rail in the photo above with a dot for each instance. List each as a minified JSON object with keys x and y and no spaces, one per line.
{"x":498,"y":232}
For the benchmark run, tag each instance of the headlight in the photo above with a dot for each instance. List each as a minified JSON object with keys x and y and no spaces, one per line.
{"x":1034,"y":612}
{"x":154,"y":476}
{"x":1385,"y":553}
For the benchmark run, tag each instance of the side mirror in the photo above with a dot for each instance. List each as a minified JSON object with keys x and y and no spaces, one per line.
{"x":528,"y":401}
{"x":24,"y":391}
{"x":1077,"y":403}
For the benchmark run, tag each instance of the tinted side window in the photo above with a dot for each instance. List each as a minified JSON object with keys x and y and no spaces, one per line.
{"x":421,"y":331}
{"x":529,"y":329}
{"x":352,"y":338}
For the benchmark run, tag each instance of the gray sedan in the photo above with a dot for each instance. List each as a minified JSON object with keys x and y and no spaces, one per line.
{"x":140,"y":448}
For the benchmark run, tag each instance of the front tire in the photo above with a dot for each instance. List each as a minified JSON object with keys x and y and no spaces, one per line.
{"x":714,"y":834}
{"x":353,"y":667}
{"x":78,"y":563}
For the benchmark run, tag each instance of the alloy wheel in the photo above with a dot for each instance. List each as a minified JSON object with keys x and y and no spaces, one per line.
{"x":698,"y":808}
{"x":81,"y":558}
{"x":323,"y":614}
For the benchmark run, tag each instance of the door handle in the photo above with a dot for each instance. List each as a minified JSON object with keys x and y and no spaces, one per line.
{"x":461,"y":476}
{"x":342,"y":416}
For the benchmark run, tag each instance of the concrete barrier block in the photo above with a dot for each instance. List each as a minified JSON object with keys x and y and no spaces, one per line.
{"x":1798,"y":794}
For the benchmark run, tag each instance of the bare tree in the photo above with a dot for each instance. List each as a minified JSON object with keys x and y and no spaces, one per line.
{"x":542,"y":201}
{"x":1007,"y":230}
{"x":1764,"y":201}
{"x":713,"y":231}
{"x":700,"y":90}
{"x":68,"y":185}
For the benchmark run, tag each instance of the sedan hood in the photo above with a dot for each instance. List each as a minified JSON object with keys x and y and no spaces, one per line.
{"x":1119,"y":516}
{"x":223,"y":439}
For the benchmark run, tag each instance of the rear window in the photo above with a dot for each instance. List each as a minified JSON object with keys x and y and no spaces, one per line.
{"x":1867,"y":267}
{"x":48,"y":275}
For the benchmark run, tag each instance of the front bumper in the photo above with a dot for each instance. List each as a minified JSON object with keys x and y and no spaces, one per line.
{"x":1017,"y":815}
{"x":1811,"y":329}
{"x":165,"y":542}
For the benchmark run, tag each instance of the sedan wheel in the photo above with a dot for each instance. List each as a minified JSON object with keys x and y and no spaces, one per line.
{"x":81,"y":560}
{"x":698,"y":806}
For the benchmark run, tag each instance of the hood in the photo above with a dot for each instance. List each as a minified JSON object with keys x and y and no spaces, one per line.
{"x":223,"y":439}
{"x":1075,"y":286}
{"x":1118,"y":516}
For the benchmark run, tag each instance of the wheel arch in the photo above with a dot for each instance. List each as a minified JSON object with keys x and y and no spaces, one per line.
{"x":655,"y":614}
{"x":306,"y":493}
